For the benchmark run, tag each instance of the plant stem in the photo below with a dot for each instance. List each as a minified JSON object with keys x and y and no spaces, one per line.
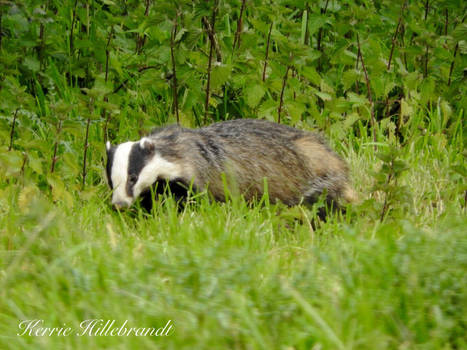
{"x":41,"y":47}
{"x":294,"y":72}
{"x":88,"y":21}
{"x":25,"y":159}
{"x":281,"y":101}
{"x":386,"y":200}
{"x":399,"y":23}
{"x":141,"y":69}
{"x":239,"y":27}
{"x":208,"y":85}
{"x":451,"y":68}
{"x":1,"y":30}
{"x":386,"y":106}
{"x":73,"y":20}
{"x":54,"y":158}
{"x":454,"y":59}
{"x":174,"y":77}
{"x":42,"y":41}
{"x":106,"y":99}
{"x":12,"y":132}
{"x":210,"y":31}
{"x":267,"y":52}
{"x":357,"y":89}
{"x":140,"y":40}
{"x":212,"y":38}
{"x":86,"y":145}
{"x":425,"y":71}
{"x":320,"y":34}
{"x":107,"y":54}
{"x":307,"y":30}
{"x":403,"y":45}
{"x":395,"y":34}
{"x":446,"y":22}
{"x":373,"y":122}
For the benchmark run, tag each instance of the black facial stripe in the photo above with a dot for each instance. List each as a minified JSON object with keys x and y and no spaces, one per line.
{"x":137,"y":160}
{"x":110,"y":161}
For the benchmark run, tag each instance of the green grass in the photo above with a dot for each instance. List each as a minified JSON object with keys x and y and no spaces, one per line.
{"x":231,"y":276}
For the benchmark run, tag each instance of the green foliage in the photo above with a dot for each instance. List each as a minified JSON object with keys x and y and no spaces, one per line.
{"x":389,"y":273}
{"x":386,"y":180}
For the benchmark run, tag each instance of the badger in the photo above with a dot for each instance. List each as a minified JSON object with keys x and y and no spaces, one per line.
{"x":244,"y":155}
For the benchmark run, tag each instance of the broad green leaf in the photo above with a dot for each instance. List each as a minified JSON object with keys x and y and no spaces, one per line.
{"x":295,"y":109}
{"x":446,"y":110}
{"x":384,"y":156}
{"x":460,"y":32}
{"x":268,"y":110}
{"x":399,"y":166}
{"x":59,"y":190}
{"x":254,"y":94}
{"x":460,"y":169}
{"x":27,"y":196}
{"x":323,"y":95}
{"x":316,"y":21}
{"x":406,"y":109}
{"x":36,"y":164}
{"x":180,"y":33}
{"x":304,"y":24}
{"x":219,"y":75}
{"x":11,"y":162}
{"x":350,"y":120}
{"x":357,"y":100}
{"x":349,"y":78}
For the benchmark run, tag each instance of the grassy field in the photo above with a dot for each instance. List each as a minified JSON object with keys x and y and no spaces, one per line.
{"x":230,"y":276}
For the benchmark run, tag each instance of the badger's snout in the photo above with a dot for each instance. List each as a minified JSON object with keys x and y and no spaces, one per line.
{"x":120,"y":199}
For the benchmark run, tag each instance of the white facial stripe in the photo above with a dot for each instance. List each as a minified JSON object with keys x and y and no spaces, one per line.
{"x":157,"y":167}
{"x":119,"y":173}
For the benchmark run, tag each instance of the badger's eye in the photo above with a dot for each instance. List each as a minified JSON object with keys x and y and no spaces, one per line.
{"x":132,"y":178}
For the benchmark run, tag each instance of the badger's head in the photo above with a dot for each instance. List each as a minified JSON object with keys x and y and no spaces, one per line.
{"x":133,"y":167}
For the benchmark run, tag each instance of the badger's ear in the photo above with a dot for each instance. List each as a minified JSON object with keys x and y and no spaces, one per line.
{"x":146,"y":144}
{"x":108,"y":146}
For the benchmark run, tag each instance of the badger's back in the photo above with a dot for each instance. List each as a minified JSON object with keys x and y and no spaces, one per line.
{"x":297,"y":164}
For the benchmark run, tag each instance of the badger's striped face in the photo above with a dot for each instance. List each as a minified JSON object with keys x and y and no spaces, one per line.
{"x":133,"y":167}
